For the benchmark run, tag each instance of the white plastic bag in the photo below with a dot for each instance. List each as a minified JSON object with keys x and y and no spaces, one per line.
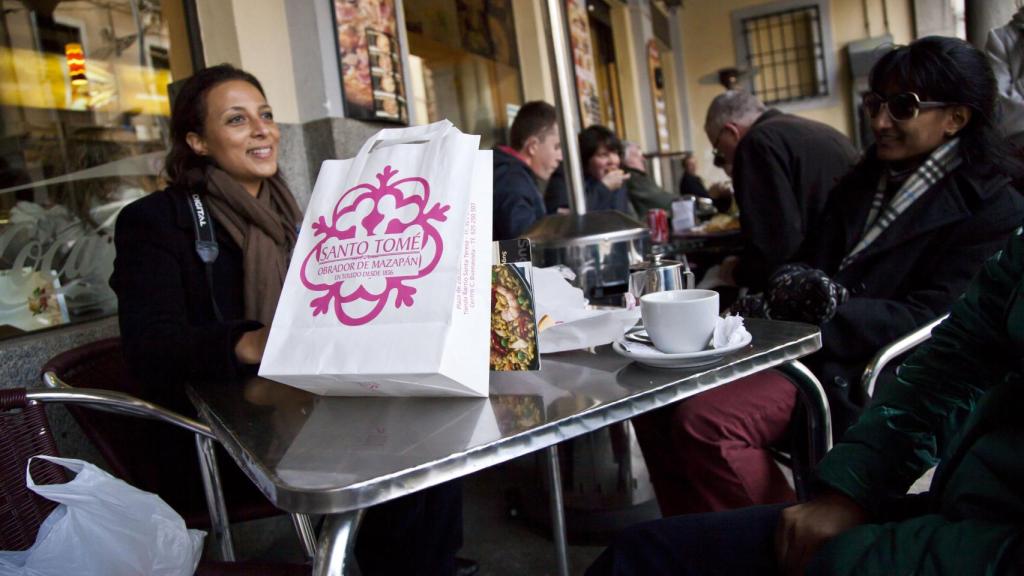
{"x":104,"y":527}
{"x":388,"y":291}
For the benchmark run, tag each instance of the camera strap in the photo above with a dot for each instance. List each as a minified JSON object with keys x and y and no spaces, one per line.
{"x":206,"y":243}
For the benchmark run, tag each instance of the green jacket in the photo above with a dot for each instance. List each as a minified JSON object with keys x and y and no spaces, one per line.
{"x":644,"y":194}
{"x":959,"y":401}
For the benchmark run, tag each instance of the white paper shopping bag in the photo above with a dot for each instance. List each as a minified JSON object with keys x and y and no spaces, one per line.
{"x":388,"y":290}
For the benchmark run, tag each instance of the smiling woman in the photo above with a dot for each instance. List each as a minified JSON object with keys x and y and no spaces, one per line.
{"x":933,"y":92}
{"x":239,"y":134}
{"x":186,"y":319}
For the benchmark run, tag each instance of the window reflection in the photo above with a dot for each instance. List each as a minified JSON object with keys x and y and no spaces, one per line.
{"x":464,"y":65}
{"x":83,"y":126}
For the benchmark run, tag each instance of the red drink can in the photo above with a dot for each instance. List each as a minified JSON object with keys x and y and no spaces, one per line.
{"x":657,"y":223}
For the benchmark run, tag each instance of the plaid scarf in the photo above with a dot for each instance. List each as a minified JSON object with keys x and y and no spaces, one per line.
{"x":941,"y":162}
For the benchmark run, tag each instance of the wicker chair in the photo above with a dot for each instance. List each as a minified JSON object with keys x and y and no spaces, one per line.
{"x":25,"y":432}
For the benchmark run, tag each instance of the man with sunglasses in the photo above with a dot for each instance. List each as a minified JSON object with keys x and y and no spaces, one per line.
{"x":783,"y":167}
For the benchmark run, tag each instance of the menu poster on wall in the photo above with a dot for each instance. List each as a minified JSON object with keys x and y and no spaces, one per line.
{"x":583,"y":62}
{"x":658,"y":94}
{"x":370,"y":60}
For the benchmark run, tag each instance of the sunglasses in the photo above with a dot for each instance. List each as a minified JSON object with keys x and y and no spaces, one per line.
{"x":901,"y":107}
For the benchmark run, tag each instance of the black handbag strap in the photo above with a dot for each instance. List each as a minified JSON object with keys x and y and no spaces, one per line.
{"x":206,"y":243}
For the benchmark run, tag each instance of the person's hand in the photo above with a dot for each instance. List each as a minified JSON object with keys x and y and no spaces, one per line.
{"x":614,"y":179}
{"x":727,"y":270}
{"x":720,"y":190}
{"x":249,"y":348}
{"x":806,"y":527}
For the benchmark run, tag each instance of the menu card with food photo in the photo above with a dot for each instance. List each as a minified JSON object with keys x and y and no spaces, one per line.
{"x":513,"y":313}
{"x":370,"y":60}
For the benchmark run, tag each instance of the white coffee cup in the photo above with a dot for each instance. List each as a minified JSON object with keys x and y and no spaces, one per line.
{"x":680,"y":321}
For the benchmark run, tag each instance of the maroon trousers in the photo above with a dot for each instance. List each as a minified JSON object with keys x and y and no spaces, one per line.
{"x":710,"y":452}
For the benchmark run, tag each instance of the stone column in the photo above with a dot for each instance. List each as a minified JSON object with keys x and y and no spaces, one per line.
{"x":632,"y":28}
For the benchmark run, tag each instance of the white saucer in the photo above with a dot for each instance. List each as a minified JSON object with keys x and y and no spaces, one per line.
{"x":657,"y":359}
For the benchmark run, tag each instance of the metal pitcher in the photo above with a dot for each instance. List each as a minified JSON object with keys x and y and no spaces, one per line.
{"x":657,"y":274}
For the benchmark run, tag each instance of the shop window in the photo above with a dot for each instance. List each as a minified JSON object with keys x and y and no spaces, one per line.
{"x":83,"y":130}
{"x":786,"y":49}
{"x":464,"y":65}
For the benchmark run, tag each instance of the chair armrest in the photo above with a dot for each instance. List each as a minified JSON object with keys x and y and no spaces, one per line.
{"x":894,"y":350}
{"x":111,"y":401}
{"x":60,"y":392}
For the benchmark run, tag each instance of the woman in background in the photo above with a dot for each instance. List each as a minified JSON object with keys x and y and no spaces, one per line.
{"x":603,"y":178}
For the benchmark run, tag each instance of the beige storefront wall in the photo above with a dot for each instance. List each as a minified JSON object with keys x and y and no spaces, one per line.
{"x":249,"y":34}
{"x":708,"y":45}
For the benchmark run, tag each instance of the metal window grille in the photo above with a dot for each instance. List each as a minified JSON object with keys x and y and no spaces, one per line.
{"x":786,"y":50}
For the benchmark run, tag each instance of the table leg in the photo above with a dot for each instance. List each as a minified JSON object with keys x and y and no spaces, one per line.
{"x":219,"y":524}
{"x":307,"y":536}
{"x":557,"y":511}
{"x":334,"y":552}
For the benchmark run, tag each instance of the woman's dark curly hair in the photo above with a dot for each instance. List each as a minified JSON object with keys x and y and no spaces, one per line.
{"x":188,"y":114}
{"x":945,"y":69}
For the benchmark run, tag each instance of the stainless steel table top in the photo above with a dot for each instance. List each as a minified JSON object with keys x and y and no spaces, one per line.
{"x":317,"y":454}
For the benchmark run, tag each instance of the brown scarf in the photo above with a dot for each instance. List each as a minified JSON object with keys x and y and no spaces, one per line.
{"x":264,"y":227}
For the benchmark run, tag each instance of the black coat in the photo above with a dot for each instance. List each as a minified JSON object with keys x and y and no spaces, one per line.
{"x":171,"y":335}
{"x":597,"y":195}
{"x":911,"y":274}
{"x":692,"y":184}
{"x":518,"y":203}
{"x":783,"y":170}
{"x":169,"y":330}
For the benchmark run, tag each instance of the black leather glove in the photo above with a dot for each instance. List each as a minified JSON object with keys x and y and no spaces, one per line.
{"x":801,"y":293}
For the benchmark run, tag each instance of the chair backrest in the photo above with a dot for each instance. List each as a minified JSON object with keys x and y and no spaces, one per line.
{"x":119,"y":439}
{"x":24,"y":432}
{"x":145,"y":453}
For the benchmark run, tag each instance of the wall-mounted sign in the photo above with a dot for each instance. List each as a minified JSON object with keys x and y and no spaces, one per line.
{"x":583,"y":62}
{"x":370,"y":60}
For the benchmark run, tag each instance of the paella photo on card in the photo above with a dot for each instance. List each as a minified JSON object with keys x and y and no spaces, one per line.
{"x":513,"y":320}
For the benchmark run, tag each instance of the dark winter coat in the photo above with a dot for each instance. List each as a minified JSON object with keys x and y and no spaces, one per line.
{"x":957,"y":402}
{"x":518,"y":202}
{"x":168,"y":328}
{"x":783,"y":170}
{"x":912,"y":273}
{"x":598,"y":196}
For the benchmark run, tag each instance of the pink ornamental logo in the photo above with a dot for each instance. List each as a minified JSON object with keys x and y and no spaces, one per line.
{"x":380,"y":239}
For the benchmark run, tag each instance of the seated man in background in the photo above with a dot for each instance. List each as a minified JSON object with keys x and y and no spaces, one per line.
{"x":603,"y":177}
{"x":644,"y":194}
{"x":692,"y":184}
{"x":534,"y":152}
{"x":956,"y":402}
{"x":901,"y":237}
{"x":783,"y":167}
